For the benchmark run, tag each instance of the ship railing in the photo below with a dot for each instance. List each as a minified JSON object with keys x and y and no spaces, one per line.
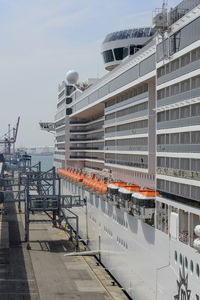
{"x":187,"y":238}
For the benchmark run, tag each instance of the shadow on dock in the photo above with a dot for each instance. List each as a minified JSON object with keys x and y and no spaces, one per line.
{"x":56,"y":246}
{"x":17,"y":280}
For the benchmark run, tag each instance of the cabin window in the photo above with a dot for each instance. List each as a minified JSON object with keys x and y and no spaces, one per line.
{"x":175,"y":256}
{"x":197,"y":271}
{"x":191,"y":267}
{"x":186,"y":263}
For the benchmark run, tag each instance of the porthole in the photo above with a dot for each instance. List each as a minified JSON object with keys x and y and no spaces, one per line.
{"x":186,"y":263}
{"x":197,"y":270}
{"x":175,"y":256}
{"x":181,"y":259}
{"x":191,"y":266}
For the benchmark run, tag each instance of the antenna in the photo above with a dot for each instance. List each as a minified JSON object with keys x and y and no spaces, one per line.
{"x":161,"y":24}
{"x":165,"y":3}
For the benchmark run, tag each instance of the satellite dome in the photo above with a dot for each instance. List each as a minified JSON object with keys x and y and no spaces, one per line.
{"x":72,"y":77}
{"x":197,"y":230}
{"x":196,"y":244}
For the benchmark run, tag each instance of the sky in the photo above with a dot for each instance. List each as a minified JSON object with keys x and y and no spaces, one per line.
{"x":41,"y":40}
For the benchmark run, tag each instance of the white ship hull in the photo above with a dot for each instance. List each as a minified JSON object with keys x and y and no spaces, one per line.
{"x":140,"y":125}
{"x":140,"y":257}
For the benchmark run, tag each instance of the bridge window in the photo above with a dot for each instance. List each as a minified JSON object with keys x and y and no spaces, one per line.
{"x":120,"y":53}
{"x":108,"y":56}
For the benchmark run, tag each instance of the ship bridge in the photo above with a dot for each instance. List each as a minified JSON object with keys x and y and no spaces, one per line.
{"x":47,"y":126}
{"x":120,"y":44}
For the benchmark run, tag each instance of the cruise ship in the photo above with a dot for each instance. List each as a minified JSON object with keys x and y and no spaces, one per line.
{"x":129,"y":145}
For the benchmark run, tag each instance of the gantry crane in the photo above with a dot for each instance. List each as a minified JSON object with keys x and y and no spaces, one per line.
{"x":10,"y":138}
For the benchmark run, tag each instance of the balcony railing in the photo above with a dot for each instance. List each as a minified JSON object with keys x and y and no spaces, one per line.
{"x":85,"y":157}
{"x":126,"y":102}
{"x":126,"y":132}
{"x":127,"y":163}
{"x":185,"y":122}
{"x":85,"y":130}
{"x":126,"y":148}
{"x":84,"y":148}
{"x":179,"y":148}
{"x":188,"y":174}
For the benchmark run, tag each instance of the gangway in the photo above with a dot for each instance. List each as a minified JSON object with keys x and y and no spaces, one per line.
{"x":40,"y":192}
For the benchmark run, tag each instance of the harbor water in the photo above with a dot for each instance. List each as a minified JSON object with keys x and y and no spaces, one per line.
{"x":46,"y":161}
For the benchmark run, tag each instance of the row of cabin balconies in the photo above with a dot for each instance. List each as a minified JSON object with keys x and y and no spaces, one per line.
{"x":84,"y":141}
{"x":127,"y":163}
{"x":86,"y":123}
{"x":93,"y":158}
{"x":179,"y":173}
{"x":174,"y":148}
{"x":106,"y":149}
{"x":115,"y":118}
{"x":86,"y":131}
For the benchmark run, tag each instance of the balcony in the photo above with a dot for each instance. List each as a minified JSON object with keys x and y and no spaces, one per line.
{"x":126,"y":102}
{"x":81,"y":123}
{"x":86,"y":131}
{"x":187,"y":174}
{"x":179,"y":97}
{"x":126,"y":132}
{"x":185,"y":122}
{"x":87,"y":158}
{"x":86,"y":140}
{"x":182,"y":148}
{"x":85,"y":149}
{"x":127,"y":163}
{"x":126,"y":148}
{"x":135,"y":115}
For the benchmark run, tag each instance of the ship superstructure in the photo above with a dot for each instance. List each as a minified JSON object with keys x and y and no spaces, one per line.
{"x":129,"y":144}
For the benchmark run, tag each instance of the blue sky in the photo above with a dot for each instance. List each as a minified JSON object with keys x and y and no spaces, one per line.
{"x":42,"y":39}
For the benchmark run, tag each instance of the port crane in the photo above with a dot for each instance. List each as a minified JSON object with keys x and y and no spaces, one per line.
{"x":10,"y":138}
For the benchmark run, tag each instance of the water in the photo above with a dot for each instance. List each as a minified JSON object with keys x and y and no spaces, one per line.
{"x":46,"y":161}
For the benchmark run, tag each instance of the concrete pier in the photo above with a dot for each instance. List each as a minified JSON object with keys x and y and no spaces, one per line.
{"x":43,"y":272}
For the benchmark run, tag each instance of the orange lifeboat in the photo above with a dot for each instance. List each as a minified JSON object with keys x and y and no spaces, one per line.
{"x":103,"y":188}
{"x":118,"y":183}
{"x":95,"y":184}
{"x":147,"y":193}
{"x":86,"y":179}
{"x":71,"y":175}
{"x":65,"y":173}
{"x":80,"y":177}
{"x":98,"y":186}
{"x":92,"y":182}
{"x":68,"y":173}
{"x":113,"y":187}
{"x":75,"y":175}
{"x":125,"y":192}
{"x":143,"y":203}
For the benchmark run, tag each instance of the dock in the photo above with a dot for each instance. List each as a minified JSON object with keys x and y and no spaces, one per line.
{"x":42,"y":271}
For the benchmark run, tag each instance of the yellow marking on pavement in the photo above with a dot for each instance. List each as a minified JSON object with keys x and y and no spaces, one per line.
{"x":77,"y":259}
